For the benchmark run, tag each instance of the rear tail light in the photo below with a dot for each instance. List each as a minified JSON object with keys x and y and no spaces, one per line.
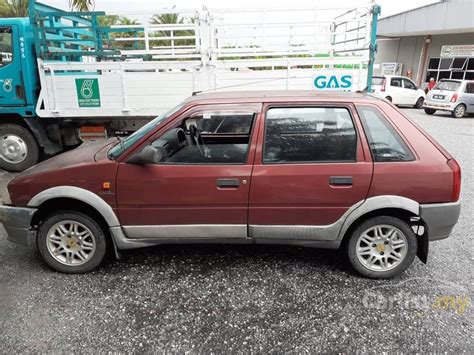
{"x":383,"y":85}
{"x":454,"y":98}
{"x":453,"y":164}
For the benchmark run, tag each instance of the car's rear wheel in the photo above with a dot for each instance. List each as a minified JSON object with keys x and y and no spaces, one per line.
{"x":419,"y":103}
{"x":430,"y":111}
{"x":18,"y":148}
{"x":71,"y":242}
{"x":459,"y":111}
{"x":389,"y":98}
{"x":382,"y":247}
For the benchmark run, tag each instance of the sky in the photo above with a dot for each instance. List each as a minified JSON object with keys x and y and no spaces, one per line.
{"x":140,"y":7}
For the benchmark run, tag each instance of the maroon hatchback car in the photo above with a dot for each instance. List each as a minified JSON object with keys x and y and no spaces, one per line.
{"x":300,"y":168}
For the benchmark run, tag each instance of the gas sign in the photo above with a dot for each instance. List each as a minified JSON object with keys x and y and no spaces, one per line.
{"x":333,"y":82}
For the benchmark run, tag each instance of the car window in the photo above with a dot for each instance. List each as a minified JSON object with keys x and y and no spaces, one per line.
{"x":409,"y":84}
{"x":397,"y":82}
{"x":470,"y":88}
{"x":309,"y":134}
{"x":385,"y":143}
{"x":6,"y":50}
{"x":377,"y":80}
{"x":126,"y":143}
{"x":448,"y":85}
{"x":207,"y":137}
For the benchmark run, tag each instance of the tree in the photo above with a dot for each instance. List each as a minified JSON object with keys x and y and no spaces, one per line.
{"x":82,"y":5}
{"x":165,"y":19}
{"x":13,"y":8}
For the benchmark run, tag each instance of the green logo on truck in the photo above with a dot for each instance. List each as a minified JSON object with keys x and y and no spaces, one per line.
{"x":88,"y":92}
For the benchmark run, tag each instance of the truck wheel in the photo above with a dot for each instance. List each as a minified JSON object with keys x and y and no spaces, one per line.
{"x":459,"y":111}
{"x":382,"y":247}
{"x":71,"y":242}
{"x":18,"y":148}
{"x":429,"y":111}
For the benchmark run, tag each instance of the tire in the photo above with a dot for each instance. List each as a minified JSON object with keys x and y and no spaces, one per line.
{"x":459,"y":111}
{"x":74,"y":255}
{"x":430,"y":111}
{"x":18,"y":148}
{"x":419,"y":103}
{"x":378,"y":261}
{"x":389,"y":98}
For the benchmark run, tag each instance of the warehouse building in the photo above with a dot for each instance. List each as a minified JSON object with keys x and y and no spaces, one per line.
{"x":436,"y":41}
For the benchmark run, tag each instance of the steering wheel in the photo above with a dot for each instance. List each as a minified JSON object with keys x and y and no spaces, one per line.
{"x":196,"y":137}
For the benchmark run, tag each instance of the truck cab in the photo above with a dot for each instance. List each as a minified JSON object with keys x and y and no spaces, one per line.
{"x":19,"y":88}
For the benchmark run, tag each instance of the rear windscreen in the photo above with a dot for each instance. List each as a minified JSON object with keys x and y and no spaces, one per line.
{"x":448,"y":85}
{"x":377,"y":80}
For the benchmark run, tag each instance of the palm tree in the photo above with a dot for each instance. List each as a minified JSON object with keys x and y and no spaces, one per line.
{"x":82,"y":5}
{"x":13,"y":8}
{"x":164,"y":19}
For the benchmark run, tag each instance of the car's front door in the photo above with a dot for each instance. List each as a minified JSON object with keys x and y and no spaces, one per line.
{"x":310,"y":169}
{"x":410,"y":93}
{"x":199,"y":186}
{"x":12,"y":91}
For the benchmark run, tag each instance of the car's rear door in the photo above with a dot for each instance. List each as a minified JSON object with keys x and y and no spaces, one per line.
{"x":311,"y":167}
{"x":191,"y":196}
{"x":397,"y":92}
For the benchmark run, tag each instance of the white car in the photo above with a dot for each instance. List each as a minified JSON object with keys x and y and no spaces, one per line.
{"x":398,"y":89}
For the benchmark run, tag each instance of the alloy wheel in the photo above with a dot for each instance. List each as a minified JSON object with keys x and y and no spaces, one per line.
{"x":381,"y":248}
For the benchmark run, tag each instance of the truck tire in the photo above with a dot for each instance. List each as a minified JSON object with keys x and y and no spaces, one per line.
{"x":18,"y":148}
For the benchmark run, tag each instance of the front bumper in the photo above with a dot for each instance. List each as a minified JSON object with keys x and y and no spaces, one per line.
{"x":17,"y":223}
{"x":440,"y":218}
{"x":439,"y":105}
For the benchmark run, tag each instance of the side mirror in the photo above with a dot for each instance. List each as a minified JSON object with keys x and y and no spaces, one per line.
{"x":148,"y":155}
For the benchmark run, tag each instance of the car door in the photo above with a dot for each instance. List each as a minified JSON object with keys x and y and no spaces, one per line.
{"x":199,"y":191}
{"x":397,"y":91}
{"x":11,"y":82}
{"x":468,"y":97}
{"x":311,"y":167}
{"x":410,"y":92}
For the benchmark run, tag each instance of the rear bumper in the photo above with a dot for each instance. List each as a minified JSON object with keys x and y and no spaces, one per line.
{"x":440,"y":218}
{"x":439,"y":105}
{"x":17,"y":223}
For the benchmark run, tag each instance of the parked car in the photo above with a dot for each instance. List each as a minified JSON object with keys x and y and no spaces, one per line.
{"x":398,"y":89}
{"x":455,"y":96}
{"x":327,"y":170}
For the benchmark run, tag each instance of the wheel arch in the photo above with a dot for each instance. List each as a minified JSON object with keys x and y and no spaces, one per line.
{"x":403,"y":208}
{"x":71,"y":196}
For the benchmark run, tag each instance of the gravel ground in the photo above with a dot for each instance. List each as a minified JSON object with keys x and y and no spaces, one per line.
{"x":248,"y":298}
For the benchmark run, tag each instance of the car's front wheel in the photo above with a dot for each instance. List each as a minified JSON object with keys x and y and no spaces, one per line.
{"x":459,"y":111}
{"x":419,"y":103}
{"x":382,"y":247}
{"x":430,"y":111}
{"x":71,"y":242}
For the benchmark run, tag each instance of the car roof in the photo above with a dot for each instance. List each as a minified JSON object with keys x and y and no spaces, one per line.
{"x":280,"y":96}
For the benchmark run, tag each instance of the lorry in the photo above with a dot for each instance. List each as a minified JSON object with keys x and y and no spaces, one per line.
{"x":61,"y":71}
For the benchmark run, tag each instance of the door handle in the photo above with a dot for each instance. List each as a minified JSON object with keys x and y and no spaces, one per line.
{"x":228,"y":183}
{"x":340,"y":180}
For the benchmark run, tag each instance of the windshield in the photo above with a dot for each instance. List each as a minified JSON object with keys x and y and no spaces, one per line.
{"x":123,"y":145}
{"x":448,"y":85}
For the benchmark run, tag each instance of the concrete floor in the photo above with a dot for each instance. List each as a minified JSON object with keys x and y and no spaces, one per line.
{"x":228,"y":298}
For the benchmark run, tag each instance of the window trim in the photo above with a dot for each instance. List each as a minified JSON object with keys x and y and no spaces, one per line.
{"x":188,"y":115}
{"x":309,"y":105}
{"x":392,"y":128}
{"x":13,"y":46}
